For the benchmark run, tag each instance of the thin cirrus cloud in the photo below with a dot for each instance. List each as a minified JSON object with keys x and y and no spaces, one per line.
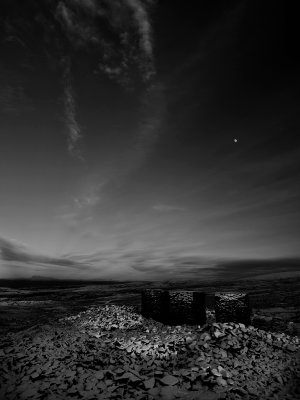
{"x":74,"y":131}
{"x":152,"y":115}
{"x":81,"y":209}
{"x":13,"y":251}
{"x":18,"y":260}
{"x":107,"y":29}
{"x":142,"y":19}
{"x":165,"y":208}
{"x":148,"y":264}
{"x":80,"y":23}
{"x":13,"y":99}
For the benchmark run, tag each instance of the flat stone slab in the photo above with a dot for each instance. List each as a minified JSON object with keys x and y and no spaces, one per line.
{"x":233,"y":307}
{"x":174,"y":307}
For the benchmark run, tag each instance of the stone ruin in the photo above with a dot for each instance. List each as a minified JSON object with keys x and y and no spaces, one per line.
{"x":186,"y":307}
{"x":174,"y":307}
{"x":155,"y":304}
{"x":177,"y":307}
{"x":233,"y":307}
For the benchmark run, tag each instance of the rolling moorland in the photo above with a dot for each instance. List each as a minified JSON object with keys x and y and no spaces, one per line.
{"x":274,"y":289}
{"x":42,"y":318}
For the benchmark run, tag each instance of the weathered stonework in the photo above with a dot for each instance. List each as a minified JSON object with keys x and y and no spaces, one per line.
{"x":186,"y":307}
{"x":174,"y":307}
{"x":154,"y":304}
{"x":233,"y":307}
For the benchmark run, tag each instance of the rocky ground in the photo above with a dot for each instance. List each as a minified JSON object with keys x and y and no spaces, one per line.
{"x":112,"y":352}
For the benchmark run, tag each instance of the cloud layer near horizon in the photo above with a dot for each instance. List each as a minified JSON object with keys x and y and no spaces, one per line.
{"x":162,"y":178}
{"x":18,"y":260}
{"x":160,"y":264}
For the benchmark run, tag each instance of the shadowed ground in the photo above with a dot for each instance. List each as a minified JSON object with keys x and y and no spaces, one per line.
{"x":27,"y":303}
{"x":84,"y":340}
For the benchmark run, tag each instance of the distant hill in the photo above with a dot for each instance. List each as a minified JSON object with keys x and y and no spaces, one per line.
{"x":42,"y":278}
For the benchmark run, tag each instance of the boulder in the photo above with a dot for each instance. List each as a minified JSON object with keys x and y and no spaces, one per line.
{"x":233,"y":307}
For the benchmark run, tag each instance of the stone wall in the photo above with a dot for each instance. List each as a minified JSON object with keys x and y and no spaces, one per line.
{"x":186,"y":307}
{"x":233,"y":307}
{"x":174,"y":307}
{"x":177,"y":307}
{"x":155,"y":304}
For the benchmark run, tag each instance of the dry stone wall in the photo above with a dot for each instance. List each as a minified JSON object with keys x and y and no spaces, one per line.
{"x":174,"y":307}
{"x":178,"y":307}
{"x":233,"y":307}
{"x":154,"y":304}
{"x":186,"y":307}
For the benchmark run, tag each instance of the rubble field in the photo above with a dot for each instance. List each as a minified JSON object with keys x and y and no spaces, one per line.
{"x":112,"y":352}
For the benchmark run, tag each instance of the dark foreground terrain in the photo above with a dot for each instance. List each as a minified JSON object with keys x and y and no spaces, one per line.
{"x":23,"y":304}
{"x":88,"y":341}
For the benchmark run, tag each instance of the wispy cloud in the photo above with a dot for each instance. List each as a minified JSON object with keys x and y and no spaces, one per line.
{"x":144,"y":26}
{"x":149,"y":264}
{"x":87,"y":201}
{"x":13,"y":99}
{"x":167,"y":208}
{"x":157,"y":264}
{"x":141,"y":17}
{"x":152,"y":112}
{"x":80,"y":210}
{"x":79,"y":22}
{"x":117,"y":33}
{"x":74,"y":131}
{"x":13,"y":251}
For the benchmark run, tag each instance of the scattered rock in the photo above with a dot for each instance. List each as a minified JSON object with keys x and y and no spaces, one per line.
{"x":134,"y":357}
{"x":291,"y":347}
{"x":35,"y":375}
{"x":221,"y":381}
{"x":149,"y":384}
{"x":169,"y":380}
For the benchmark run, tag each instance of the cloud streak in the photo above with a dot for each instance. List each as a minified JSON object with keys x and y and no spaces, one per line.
{"x":142,"y":20}
{"x":159,"y":264}
{"x":167,"y":208}
{"x":149,"y":128}
{"x":149,"y":264}
{"x":116,"y":34}
{"x":74,"y":131}
{"x":13,"y":251}
{"x":13,"y":100}
{"x":79,"y":23}
{"x":110,"y":30}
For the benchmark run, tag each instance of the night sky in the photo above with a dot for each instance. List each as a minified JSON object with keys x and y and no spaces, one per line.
{"x":144,"y":139}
